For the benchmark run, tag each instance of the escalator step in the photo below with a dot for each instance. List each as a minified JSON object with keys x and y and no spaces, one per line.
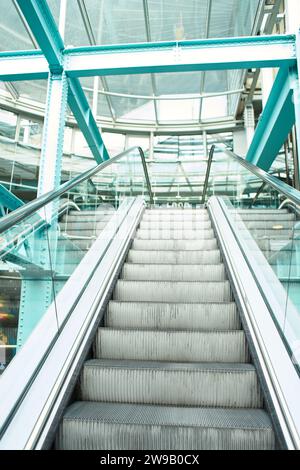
{"x":175,"y":245}
{"x":208,"y":316}
{"x":174,"y":257}
{"x":177,"y":225}
{"x":164,"y":383}
{"x":175,"y":234}
{"x":175,"y":346}
{"x":158,"y":291}
{"x":88,"y":425}
{"x":169,"y":272}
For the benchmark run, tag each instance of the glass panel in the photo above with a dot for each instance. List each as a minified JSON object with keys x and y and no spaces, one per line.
{"x":178,"y":110}
{"x":13,"y":34}
{"x":39,"y":254}
{"x":214,"y":107}
{"x":121,"y":21}
{"x":115,"y":143}
{"x":133,"y":109}
{"x":233,"y":18}
{"x":177,"y":20}
{"x":33,"y":90}
{"x":8,"y":124}
{"x":19,"y":178}
{"x":31,"y":132}
{"x":178,"y":83}
{"x":75,"y":32}
{"x":268,"y":225}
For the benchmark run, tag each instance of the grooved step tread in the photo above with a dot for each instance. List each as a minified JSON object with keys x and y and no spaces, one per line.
{"x":171,"y":345}
{"x":174,"y":245}
{"x":169,"y":416}
{"x":180,"y":316}
{"x":165,"y":383}
{"x":89,"y":425}
{"x":167,"y":272}
{"x":174,"y":257}
{"x":175,"y":291}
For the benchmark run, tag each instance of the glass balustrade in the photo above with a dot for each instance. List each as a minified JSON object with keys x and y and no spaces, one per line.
{"x":39,"y":254}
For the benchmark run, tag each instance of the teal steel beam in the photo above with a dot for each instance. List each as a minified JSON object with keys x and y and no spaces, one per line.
{"x":8,"y":199}
{"x":182,"y":56}
{"x":275,"y":122}
{"x":296,"y":90}
{"x":43,"y":26}
{"x":208,"y":54}
{"x":23,"y":65}
{"x":83,"y":115}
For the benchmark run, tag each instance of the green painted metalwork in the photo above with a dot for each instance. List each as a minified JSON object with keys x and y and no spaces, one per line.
{"x":275,"y":122}
{"x":43,"y":26}
{"x":8,"y":199}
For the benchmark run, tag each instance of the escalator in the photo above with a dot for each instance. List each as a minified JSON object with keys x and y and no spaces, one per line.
{"x":164,"y":328}
{"x":171,"y":366}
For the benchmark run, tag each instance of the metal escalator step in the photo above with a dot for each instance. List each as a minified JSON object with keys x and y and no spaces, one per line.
{"x":169,"y":272}
{"x":158,"y":291}
{"x":174,"y":257}
{"x":175,"y":346}
{"x":177,"y":225}
{"x":176,"y":245}
{"x":177,"y":234}
{"x":271,"y":233}
{"x":248,"y":217}
{"x":269,"y":224}
{"x":112,"y":426}
{"x":154,"y":315}
{"x":175,"y":210}
{"x":263,"y":211}
{"x":153,"y":217}
{"x":180,"y":384}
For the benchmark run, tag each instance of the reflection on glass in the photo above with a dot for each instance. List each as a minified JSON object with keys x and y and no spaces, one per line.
{"x":269,"y":226}
{"x":40,"y":254}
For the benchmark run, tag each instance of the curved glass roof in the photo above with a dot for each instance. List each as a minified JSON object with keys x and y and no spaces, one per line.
{"x":166,"y":98}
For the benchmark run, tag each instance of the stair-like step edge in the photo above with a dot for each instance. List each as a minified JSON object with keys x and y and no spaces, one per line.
{"x":174,"y":257}
{"x":171,"y":345}
{"x":111,"y":426}
{"x":178,"y":384}
{"x":171,"y":272}
{"x":176,"y":291}
{"x":176,"y":316}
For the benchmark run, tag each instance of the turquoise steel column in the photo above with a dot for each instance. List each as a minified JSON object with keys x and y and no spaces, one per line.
{"x":37,"y":291}
{"x":296,"y":88}
{"x":53,"y":137}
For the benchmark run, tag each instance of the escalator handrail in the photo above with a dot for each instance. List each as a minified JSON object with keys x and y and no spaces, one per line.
{"x":283,"y":188}
{"x":31,"y":207}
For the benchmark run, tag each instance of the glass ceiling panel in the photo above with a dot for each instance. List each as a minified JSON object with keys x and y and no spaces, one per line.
{"x":178,"y":83}
{"x":35,"y":90}
{"x":75,"y":33}
{"x":130,"y":84}
{"x":177,"y":19}
{"x":232,"y":18}
{"x":216,"y":81}
{"x":117,"y":21}
{"x":133,"y":109}
{"x":178,"y":110}
{"x":13,"y":34}
{"x":103,"y":109}
{"x":124,"y":21}
{"x":54,"y":6}
{"x":215,"y":107}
